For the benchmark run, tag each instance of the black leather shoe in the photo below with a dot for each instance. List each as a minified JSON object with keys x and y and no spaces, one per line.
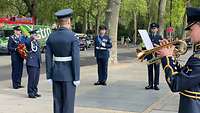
{"x":148,"y":87}
{"x":31,"y":96}
{"x":97,"y":83}
{"x":156,"y":88}
{"x":103,"y":83}
{"x":15,"y":87}
{"x":38,"y":95}
{"x":20,"y":86}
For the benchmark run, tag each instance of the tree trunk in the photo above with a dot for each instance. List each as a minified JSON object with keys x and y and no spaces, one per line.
{"x":97,"y":19}
{"x":85,"y":22}
{"x":114,"y":5}
{"x":108,"y":14}
{"x":183,"y":34}
{"x":97,"y":22}
{"x":88,"y":21}
{"x":161,"y":12}
{"x":33,"y":8}
{"x":135,"y":27}
{"x":31,"y":5}
{"x":149,"y":17}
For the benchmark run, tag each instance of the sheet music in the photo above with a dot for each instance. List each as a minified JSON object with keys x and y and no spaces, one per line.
{"x":146,"y":39}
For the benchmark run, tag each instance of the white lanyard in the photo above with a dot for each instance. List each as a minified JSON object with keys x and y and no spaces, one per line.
{"x":34,"y":47}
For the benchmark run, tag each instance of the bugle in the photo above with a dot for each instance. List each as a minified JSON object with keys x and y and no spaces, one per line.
{"x":180,"y":49}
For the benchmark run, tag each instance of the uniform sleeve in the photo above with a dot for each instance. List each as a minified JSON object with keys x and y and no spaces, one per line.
{"x":160,"y":37}
{"x":148,"y":57}
{"x":109,"y":43}
{"x":95,"y":47}
{"x":48,"y":60}
{"x":28,"y":42}
{"x":10,"y":45}
{"x":178,"y":78}
{"x":39,"y":52}
{"x":76,"y":59}
{"x":97,"y":42}
{"x":24,"y":39}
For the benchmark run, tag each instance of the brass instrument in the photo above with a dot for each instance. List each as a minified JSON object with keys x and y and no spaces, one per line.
{"x":180,"y":49}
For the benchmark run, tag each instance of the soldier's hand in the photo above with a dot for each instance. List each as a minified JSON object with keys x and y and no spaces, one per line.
{"x":50,"y":81}
{"x":76,"y":83}
{"x":165,"y":51}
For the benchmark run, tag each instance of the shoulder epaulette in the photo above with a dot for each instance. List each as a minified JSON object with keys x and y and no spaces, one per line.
{"x":197,"y":55}
{"x":196,"y":47}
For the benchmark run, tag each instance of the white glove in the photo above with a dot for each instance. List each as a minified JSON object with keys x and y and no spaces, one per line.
{"x":103,"y":44}
{"x":50,"y":81}
{"x":76,"y":83}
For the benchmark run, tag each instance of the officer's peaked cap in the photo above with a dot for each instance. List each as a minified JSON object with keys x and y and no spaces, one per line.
{"x":64,"y":13}
{"x":193,"y":16}
{"x":154,"y":25}
{"x":33,"y":31}
{"x":17,"y":28}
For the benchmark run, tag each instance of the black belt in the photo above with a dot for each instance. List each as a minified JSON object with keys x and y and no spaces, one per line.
{"x":190,"y":94}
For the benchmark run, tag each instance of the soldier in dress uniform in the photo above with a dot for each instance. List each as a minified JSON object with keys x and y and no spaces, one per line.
{"x":102,"y":45}
{"x":33,"y":64}
{"x":153,"y":69}
{"x":185,"y":79}
{"x":63,"y":63}
{"x":16,"y":60}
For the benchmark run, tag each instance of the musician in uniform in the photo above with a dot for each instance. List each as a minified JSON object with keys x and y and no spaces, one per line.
{"x":63,"y":63}
{"x":33,"y":64}
{"x":102,"y":45}
{"x":185,"y":79}
{"x":16,"y":60}
{"x":153,"y":69}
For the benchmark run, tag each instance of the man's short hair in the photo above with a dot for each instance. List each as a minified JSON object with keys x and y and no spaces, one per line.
{"x":102,"y":27}
{"x":63,"y":21}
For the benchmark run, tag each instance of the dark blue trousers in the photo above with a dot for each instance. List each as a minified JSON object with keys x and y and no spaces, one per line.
{"x":156,"y":68}
{"x":63,"y":96}
{"x":33,"y":80}
{"x":17,"y":69}
{"x":102,"y":69}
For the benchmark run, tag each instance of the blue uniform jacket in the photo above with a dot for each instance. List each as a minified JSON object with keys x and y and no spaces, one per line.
{"x":12,"y":47}
{"x":102,"y":51}
{"x":33,"y":58}
{"x":13,"y":43}
{"x":185,"y":80}
{"x":63,"y":43}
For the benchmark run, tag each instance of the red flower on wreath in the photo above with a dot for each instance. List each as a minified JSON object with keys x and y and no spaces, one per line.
{"x":21,"y":48}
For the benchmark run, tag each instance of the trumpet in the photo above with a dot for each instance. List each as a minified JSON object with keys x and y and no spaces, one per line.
{"x":180,"y":49}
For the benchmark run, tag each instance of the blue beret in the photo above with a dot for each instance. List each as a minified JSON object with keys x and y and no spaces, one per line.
{"x":193,"y":16}
{"x":64,"y":13}
{"x":154,"y":25}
